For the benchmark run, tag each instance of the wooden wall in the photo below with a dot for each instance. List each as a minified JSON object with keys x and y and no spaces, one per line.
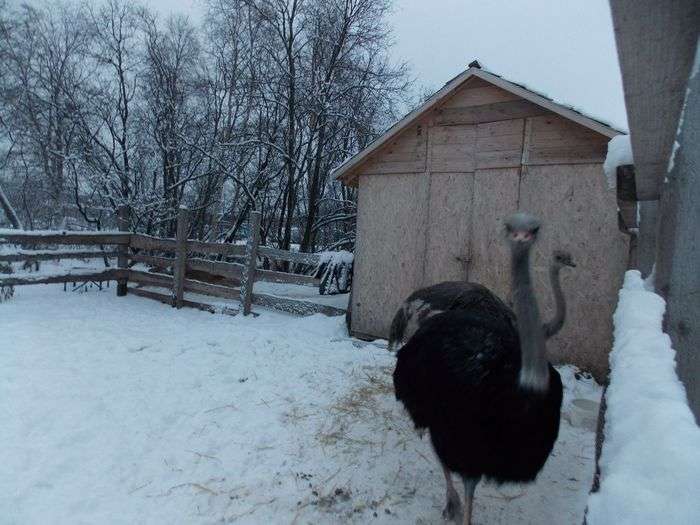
{"x":441,"y":190}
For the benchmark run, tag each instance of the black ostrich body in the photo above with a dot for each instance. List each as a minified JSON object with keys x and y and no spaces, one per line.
{"x":463,"y":295}
{"x":465,"y":391}
{"x":422,"y":304}
{"x":475,"y":373}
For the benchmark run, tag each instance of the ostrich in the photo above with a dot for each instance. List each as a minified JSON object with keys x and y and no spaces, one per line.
{"x":460,"y":295}
{"x":484,"y":388}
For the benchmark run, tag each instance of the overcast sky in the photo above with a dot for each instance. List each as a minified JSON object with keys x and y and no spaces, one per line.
{"x":565,"y":49}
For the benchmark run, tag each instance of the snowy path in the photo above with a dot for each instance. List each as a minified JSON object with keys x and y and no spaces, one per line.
{"x":123,"y":410}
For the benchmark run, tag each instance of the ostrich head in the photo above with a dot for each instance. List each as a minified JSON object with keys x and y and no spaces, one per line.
{"x":521,"y":231}
{"x":561,"y":258}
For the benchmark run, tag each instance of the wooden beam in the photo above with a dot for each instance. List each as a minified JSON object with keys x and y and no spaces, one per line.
{"x":251,"y":261}
{"x":656,"y":43}
{"x":226,"y":249}
{"x":180,"y":256}
{"x":62,"y":237}
{"x":224,"y":269}
{"x":284,"y":277}
{"x":148,"y":242}
{"x":55,"y":255}
{"x":295,"y":306}
{"x":284,"y":255}
{"x":160,"y":262}
{"x":110,"y":274}
{"x":167,"y":299}
{"x":214,"y":290}
{"x":151,"y":279}
{"x":515,"y":109}
{"x":626,"y":185}
{"x":122,"y":261}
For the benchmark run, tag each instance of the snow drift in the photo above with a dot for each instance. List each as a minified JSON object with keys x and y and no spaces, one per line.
{"x":650,"y":463}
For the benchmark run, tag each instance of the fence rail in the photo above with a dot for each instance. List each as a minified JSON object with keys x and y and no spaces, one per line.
{"x":186,"y":258}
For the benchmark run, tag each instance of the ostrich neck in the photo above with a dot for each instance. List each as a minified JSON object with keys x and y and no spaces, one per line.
{"x":556,"y":323}
{"x":534,"y":371}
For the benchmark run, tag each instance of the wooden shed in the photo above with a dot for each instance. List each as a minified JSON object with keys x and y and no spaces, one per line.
{"x":435,"y":188}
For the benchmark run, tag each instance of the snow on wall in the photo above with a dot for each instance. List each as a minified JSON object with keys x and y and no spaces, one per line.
{"x":650,"y":463}
{"x":619,"y":154}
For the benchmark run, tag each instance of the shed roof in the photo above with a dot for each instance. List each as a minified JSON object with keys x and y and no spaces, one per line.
{"x":345,"y":171}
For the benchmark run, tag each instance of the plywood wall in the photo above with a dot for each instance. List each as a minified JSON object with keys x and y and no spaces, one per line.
{"x":392,"y":215}
{"x":442,"y":189}
{"x":579,"y":214}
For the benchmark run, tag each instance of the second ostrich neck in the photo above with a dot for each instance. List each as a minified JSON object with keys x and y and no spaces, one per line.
{"x":534,"y":369}
{"x":557,"y":322}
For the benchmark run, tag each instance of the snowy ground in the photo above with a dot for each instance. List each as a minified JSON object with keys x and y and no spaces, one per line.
{"x":124,"y":410}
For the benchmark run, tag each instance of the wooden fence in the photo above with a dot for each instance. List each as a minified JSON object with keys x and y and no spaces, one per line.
{"x":179,"y":265}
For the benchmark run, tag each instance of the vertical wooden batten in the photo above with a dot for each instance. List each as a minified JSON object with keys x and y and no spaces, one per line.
{"x":180,"y":257}
{"x":122,"y":249}
{"x":251,"y":260}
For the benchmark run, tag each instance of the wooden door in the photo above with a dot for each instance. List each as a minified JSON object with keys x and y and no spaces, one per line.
{"x":495,"y":198}
{"x":389,"y":253}
{"x":578,"y":215}
{"x":449,"y":227}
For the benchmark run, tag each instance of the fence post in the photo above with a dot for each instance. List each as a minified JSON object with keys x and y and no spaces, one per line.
{"x":122,"y":249}
{"x":251,"y":259}
{"x":180,"y":257}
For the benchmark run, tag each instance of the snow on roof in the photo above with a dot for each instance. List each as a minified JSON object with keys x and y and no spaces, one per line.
{"x":619,"y":154}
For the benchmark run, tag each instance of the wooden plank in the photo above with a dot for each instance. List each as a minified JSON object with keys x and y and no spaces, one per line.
{"x":403,"y":154}
{"x":105,"y":275}
{"x":389,"y":254}
{"x":567,"y":155}
{"x":449,"y":229}
{"x":63,"y":237}
{"x":224,"y":269}
{"x":478,"y":96}
{"x":452,"y":148}
{"x":656,"y":44}
{"x":167,"y":299}
{"x":55,"y":255}
{"x":284,"y":255}
{"x":381,"y":167}
{"x":487,"y":113}
{"x":579,"y":214}
{"x":284,"y":277}
{"x":499,"y":144}
{"x":527,"y":138}
{"x":440,"y":135}
{"x":151,"y":279}
{"x":220,"y":248}
{"x":161,"y":262}
{"x":180,"y":256}
{"x":148,"y":242}
{"x":123,"y":221}
{"x":251,"y":261}
{"x":294,"y":306}
{"x":214,"y":290}
{"x":626,"y":186}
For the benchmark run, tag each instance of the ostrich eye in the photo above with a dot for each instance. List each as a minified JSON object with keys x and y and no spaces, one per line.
{"x":535,"y":230}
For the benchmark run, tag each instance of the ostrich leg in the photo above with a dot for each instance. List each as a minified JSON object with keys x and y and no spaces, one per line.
{"x":469,"y":488}
{"x":453,"y":507}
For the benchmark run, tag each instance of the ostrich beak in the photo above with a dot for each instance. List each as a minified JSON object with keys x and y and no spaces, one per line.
{"x":571,"y":263}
